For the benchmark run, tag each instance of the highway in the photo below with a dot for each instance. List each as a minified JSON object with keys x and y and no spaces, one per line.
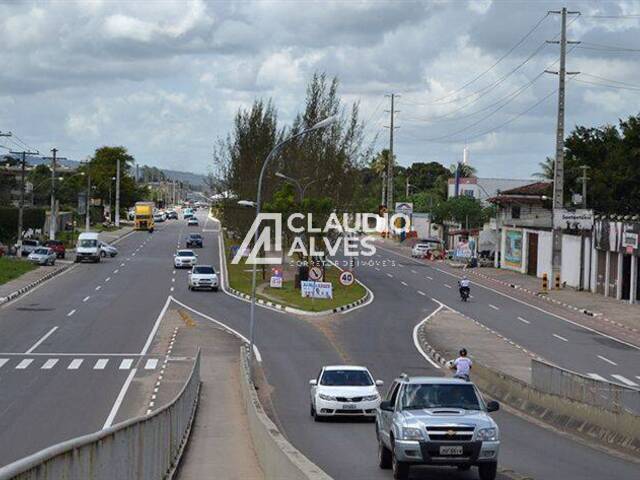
{"x":40,"y":406}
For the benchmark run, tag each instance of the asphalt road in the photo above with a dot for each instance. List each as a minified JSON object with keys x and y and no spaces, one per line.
{"x":40,"y":406}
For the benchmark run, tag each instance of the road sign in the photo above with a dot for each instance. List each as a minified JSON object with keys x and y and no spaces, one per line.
{"x":316,"y":289}
{"x":579,"y":219}
{"x":315,"y":273}
{"x":347,"y":278}
{"x":404,"y":207}
{"x":275,"y":282}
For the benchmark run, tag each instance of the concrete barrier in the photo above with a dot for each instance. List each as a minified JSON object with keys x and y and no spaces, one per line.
{"x":620,"y":429}
{"x":278,"y":458}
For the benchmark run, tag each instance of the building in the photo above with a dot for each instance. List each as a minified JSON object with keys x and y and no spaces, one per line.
{"x":483,"y":188}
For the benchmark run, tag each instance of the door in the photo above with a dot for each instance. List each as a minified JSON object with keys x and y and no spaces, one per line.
{"x":613,"y":275}
{"x":386,"y":416}
{"x":601,"y":266}
{"x":532,"y":257}
{"x":626,"y":277}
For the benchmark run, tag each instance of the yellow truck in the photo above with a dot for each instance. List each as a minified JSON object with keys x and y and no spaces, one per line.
{"x":144,"y":216}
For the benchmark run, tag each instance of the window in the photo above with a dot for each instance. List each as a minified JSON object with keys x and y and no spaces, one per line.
{"x":515,"y":211}
{"x":206,"y":270}
{"x":88,"y":243}
{"x":346,"y":378}
{"x":440,"y":396}
{"x":468,"y":193}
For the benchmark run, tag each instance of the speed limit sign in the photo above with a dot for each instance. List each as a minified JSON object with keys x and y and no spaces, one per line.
{"x":315,"y":273}
{"x":347,"y":278}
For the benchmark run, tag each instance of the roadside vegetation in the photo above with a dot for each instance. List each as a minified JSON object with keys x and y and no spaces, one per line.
{"x":11,"y":268}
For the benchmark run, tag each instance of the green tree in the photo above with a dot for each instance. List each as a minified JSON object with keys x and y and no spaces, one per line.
{"x":466,"y":211}
{"x":40,"y":180}
{"x":546,"y":169}
{"x":466,"y":170}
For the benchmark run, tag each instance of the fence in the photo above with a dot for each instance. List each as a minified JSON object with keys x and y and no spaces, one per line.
{"x":142,"y":448}
{"x":609,"y":396}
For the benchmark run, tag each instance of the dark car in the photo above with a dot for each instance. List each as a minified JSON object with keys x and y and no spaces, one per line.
{"x":172,"y":214}
{"x":194,"y":240}
{"x":57,"y":246}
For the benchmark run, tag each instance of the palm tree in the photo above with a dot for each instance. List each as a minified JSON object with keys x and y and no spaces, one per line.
{"x":466,"y":170}
{"x":380,"y":162}
{"x":547,"y":169}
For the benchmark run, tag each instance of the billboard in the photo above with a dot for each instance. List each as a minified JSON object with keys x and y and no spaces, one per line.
{"x":513,"y":249}
{"x":579,"y":219}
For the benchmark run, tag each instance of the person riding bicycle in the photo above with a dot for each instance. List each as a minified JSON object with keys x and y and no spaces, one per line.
{"x":462,"y":365}
{"x":465,"y":286}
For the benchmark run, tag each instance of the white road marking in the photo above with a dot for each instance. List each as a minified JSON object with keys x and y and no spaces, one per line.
{"x":49,"y":364}
{"x":107,"y":279}
{"x":494,"y":307}
{"x":71,"y":312}
{"x":75,"y":364}
{"x":172,"y":289}
{"x":39,"y":342}
{"x":389,"y":275}
{"x":122,"y":264}
{"x":377,"y":269}
{"x":101,"y":363}
{"x":560,"y":338}
{"x":447,"y":285}
{"x":625,"y":380}
{"x":404,"y":283}
{"x":3,"y":361}
{"x":133,"y":254}
{"x":429,"y":278}
{"x":416,"y":341}
{"x":421,"y":292}
{"x":174,"y":272}
{"x":607,"y":360}
{"x":126,"y":364}
{"x":24,"y":364}
{"x":151,"y":364}
{"x":413,"y":271}
{"x":119,"y":398}
{"x":86,"y":298}
{"x":173,"y":280}
{"x":595,"y":376}
{"x":524,"y":320}
{"x":98,"y":287}
{"x":116,"y":271}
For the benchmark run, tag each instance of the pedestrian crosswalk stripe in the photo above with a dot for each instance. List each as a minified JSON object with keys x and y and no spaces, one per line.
{"x":24,"y":363}
{"x":3,"y":361}
{"x":625,"y":380}
{"x":48,"y":365}
{"x":100,"y":364}
{"x":595,"y":376}
{"x":151,"y":364}
{"x":126,"y":364}
{"x":75,"y":364}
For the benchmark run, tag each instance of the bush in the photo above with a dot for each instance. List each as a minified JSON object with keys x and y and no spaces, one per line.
{"x":31,"y":218}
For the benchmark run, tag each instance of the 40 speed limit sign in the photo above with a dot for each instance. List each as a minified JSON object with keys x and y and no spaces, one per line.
{"x":347,"y":278}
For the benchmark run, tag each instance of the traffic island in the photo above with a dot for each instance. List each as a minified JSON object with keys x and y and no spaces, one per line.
{"x":503,"y":370}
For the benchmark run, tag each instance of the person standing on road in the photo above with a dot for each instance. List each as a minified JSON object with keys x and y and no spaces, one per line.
{"x":462,"y":365}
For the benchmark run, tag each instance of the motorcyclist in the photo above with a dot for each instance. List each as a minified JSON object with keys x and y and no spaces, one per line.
{"x":462,"y":365}
{"x":465,"y":286}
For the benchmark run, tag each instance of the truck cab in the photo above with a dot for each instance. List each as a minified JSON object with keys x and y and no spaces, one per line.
{"x":88,"y":247}
{"x":436,"y":421}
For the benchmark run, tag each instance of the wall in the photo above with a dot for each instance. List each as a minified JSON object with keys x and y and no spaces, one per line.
{"x":571,"y":260}
{"x":545,"y":243}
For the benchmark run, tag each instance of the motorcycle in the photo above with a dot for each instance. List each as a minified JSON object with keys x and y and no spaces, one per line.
{"x":464,"y":293}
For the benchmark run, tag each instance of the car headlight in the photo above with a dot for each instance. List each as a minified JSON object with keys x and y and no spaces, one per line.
{"x":370,"y":398}
{"x":411,"y":433}
{"x":327,"y":397}
{"x":487,"y":434}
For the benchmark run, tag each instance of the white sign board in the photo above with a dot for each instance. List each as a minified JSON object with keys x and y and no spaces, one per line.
{"x":347,"y":278}
{"x":316,"y":289}
{"x":404,"y":207}
{"x":315,"y":273}
{"x":579,"y":219}
{"x":276,"y":282}
{"x":630,"y":239}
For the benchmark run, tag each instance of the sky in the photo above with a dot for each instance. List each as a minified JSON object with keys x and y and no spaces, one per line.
{"x":165,"y":78}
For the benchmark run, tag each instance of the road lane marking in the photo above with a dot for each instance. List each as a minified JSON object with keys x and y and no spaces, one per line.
{"x":133,"y":254}
{"x":389,"y":275}
{"x":39,"y":342}
{"x":98,"y":288}
{"x":119,"y":398}
{"x":377,"y":269}
{"x":173,"y":280}
{"x":494,"y":307}
{"x":421,"y":292}
{"x":24,"y":364}
{"x":122,"y":264}
{"x":404,"y":283}
{"x":151,"y":364}
{"x":416,"y":341}
{"x":101,"y":363}
{"x":174,"y":272}
{"x":85,"y":299}
{"x":49,"y":364}
{"x":107,"y":279}
{"x":447,"y":285}
{"x":3,"y":361}
{"x":71,"y":312}
{"x":172,"y":289}
{"x":75,"y":364}
{"x":595,"y":376}
{"x":429,"y":278}
{"x":524,"y":320}
{"x":116,"y":271}
{"x":625,"y":380}
{"x":126,"y":364}
{"x":607,"y":360}
{"x":413,"y":271}
{"x":560,"y":338}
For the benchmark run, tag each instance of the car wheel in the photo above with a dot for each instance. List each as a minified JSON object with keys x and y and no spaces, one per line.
{"x":316,"y":417}
{"x":384,"y":456}
{"x":400,"y":469}
{"x":215,"y":289}
{"x":488,"y":471}
{"x":103,"y":254}
{"x":189,"y":287}
{"x":312,"y":411}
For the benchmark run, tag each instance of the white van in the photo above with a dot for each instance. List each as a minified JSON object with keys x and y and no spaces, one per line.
{"x":88,"y":247}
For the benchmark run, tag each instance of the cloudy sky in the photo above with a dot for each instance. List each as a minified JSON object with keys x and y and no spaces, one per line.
{"x":164,"y":78}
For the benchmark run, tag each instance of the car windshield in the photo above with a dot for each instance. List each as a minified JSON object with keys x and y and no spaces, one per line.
{"x":41,"y":251}
{"x":195,"y":236}
{"x":208,"y":270}
{"x":422,"y":247}
{"x":185,"y":253}
{"x":346,"y":378}
{"x":87,"y":243}
{"x":440,"y":396}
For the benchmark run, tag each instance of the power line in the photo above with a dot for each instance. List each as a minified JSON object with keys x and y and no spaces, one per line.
{"x":611,"y":16}
{"x":603,"y":47}
{"x":610,"y":80}
{"x":618,"y":87}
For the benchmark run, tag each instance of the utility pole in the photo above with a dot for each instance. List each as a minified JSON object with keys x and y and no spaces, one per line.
{"x":558,"y":174}
{"x":22,"y":185}
{"x":87,"y":219}
{"x":117,"y":194}
{"x":53,"y":217}
{"x":584,"y":179}
{"x":391,"y":128}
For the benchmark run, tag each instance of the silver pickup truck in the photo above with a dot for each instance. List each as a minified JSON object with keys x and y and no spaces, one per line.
{"x":436,"y":421}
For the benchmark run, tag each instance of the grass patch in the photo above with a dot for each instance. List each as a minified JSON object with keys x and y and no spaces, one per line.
{"x":11,"y":268}
{"x":240,"y":279}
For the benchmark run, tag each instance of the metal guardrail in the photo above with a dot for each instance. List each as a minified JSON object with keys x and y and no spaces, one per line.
{"x":142,"y":448}
{"x":607,"y":395}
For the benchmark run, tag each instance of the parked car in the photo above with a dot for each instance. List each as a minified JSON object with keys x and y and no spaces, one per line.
{"x":28,"y":246}
{"x":420,"y":250}
{"x":184,"y":258}
{"x":194,"y":240}
{"x":192,"y":222}
{"x":344,"y":390}
{"x":43,"y":256}
{"x":107,"y":250}
{"x":436,"y":421}
{"x":87,"y":247}
{"x":57,"y":246}
{"x":203,"y":276}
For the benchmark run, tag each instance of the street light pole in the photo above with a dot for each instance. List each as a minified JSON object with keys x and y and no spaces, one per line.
{"x":22,"y":188}
{"x":272,"y":154}
{"x":87,"y":220}
{"x":53,"y":217}
{"x":117,"y":193}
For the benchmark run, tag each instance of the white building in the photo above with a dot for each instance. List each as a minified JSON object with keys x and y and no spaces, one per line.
{"x":484,"y":188}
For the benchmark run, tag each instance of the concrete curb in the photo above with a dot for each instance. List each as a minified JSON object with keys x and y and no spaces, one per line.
{"x":590,"y":423}
{"x":278,"y":458}
{"x":32,"y":285}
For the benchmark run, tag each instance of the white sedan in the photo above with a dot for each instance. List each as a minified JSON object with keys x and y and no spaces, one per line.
{"x":43,"y":256}
{"x":420,"y":250}
{"x":203,"y":276}
{"x":184,"y":259}
{"x":344,"y":390}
